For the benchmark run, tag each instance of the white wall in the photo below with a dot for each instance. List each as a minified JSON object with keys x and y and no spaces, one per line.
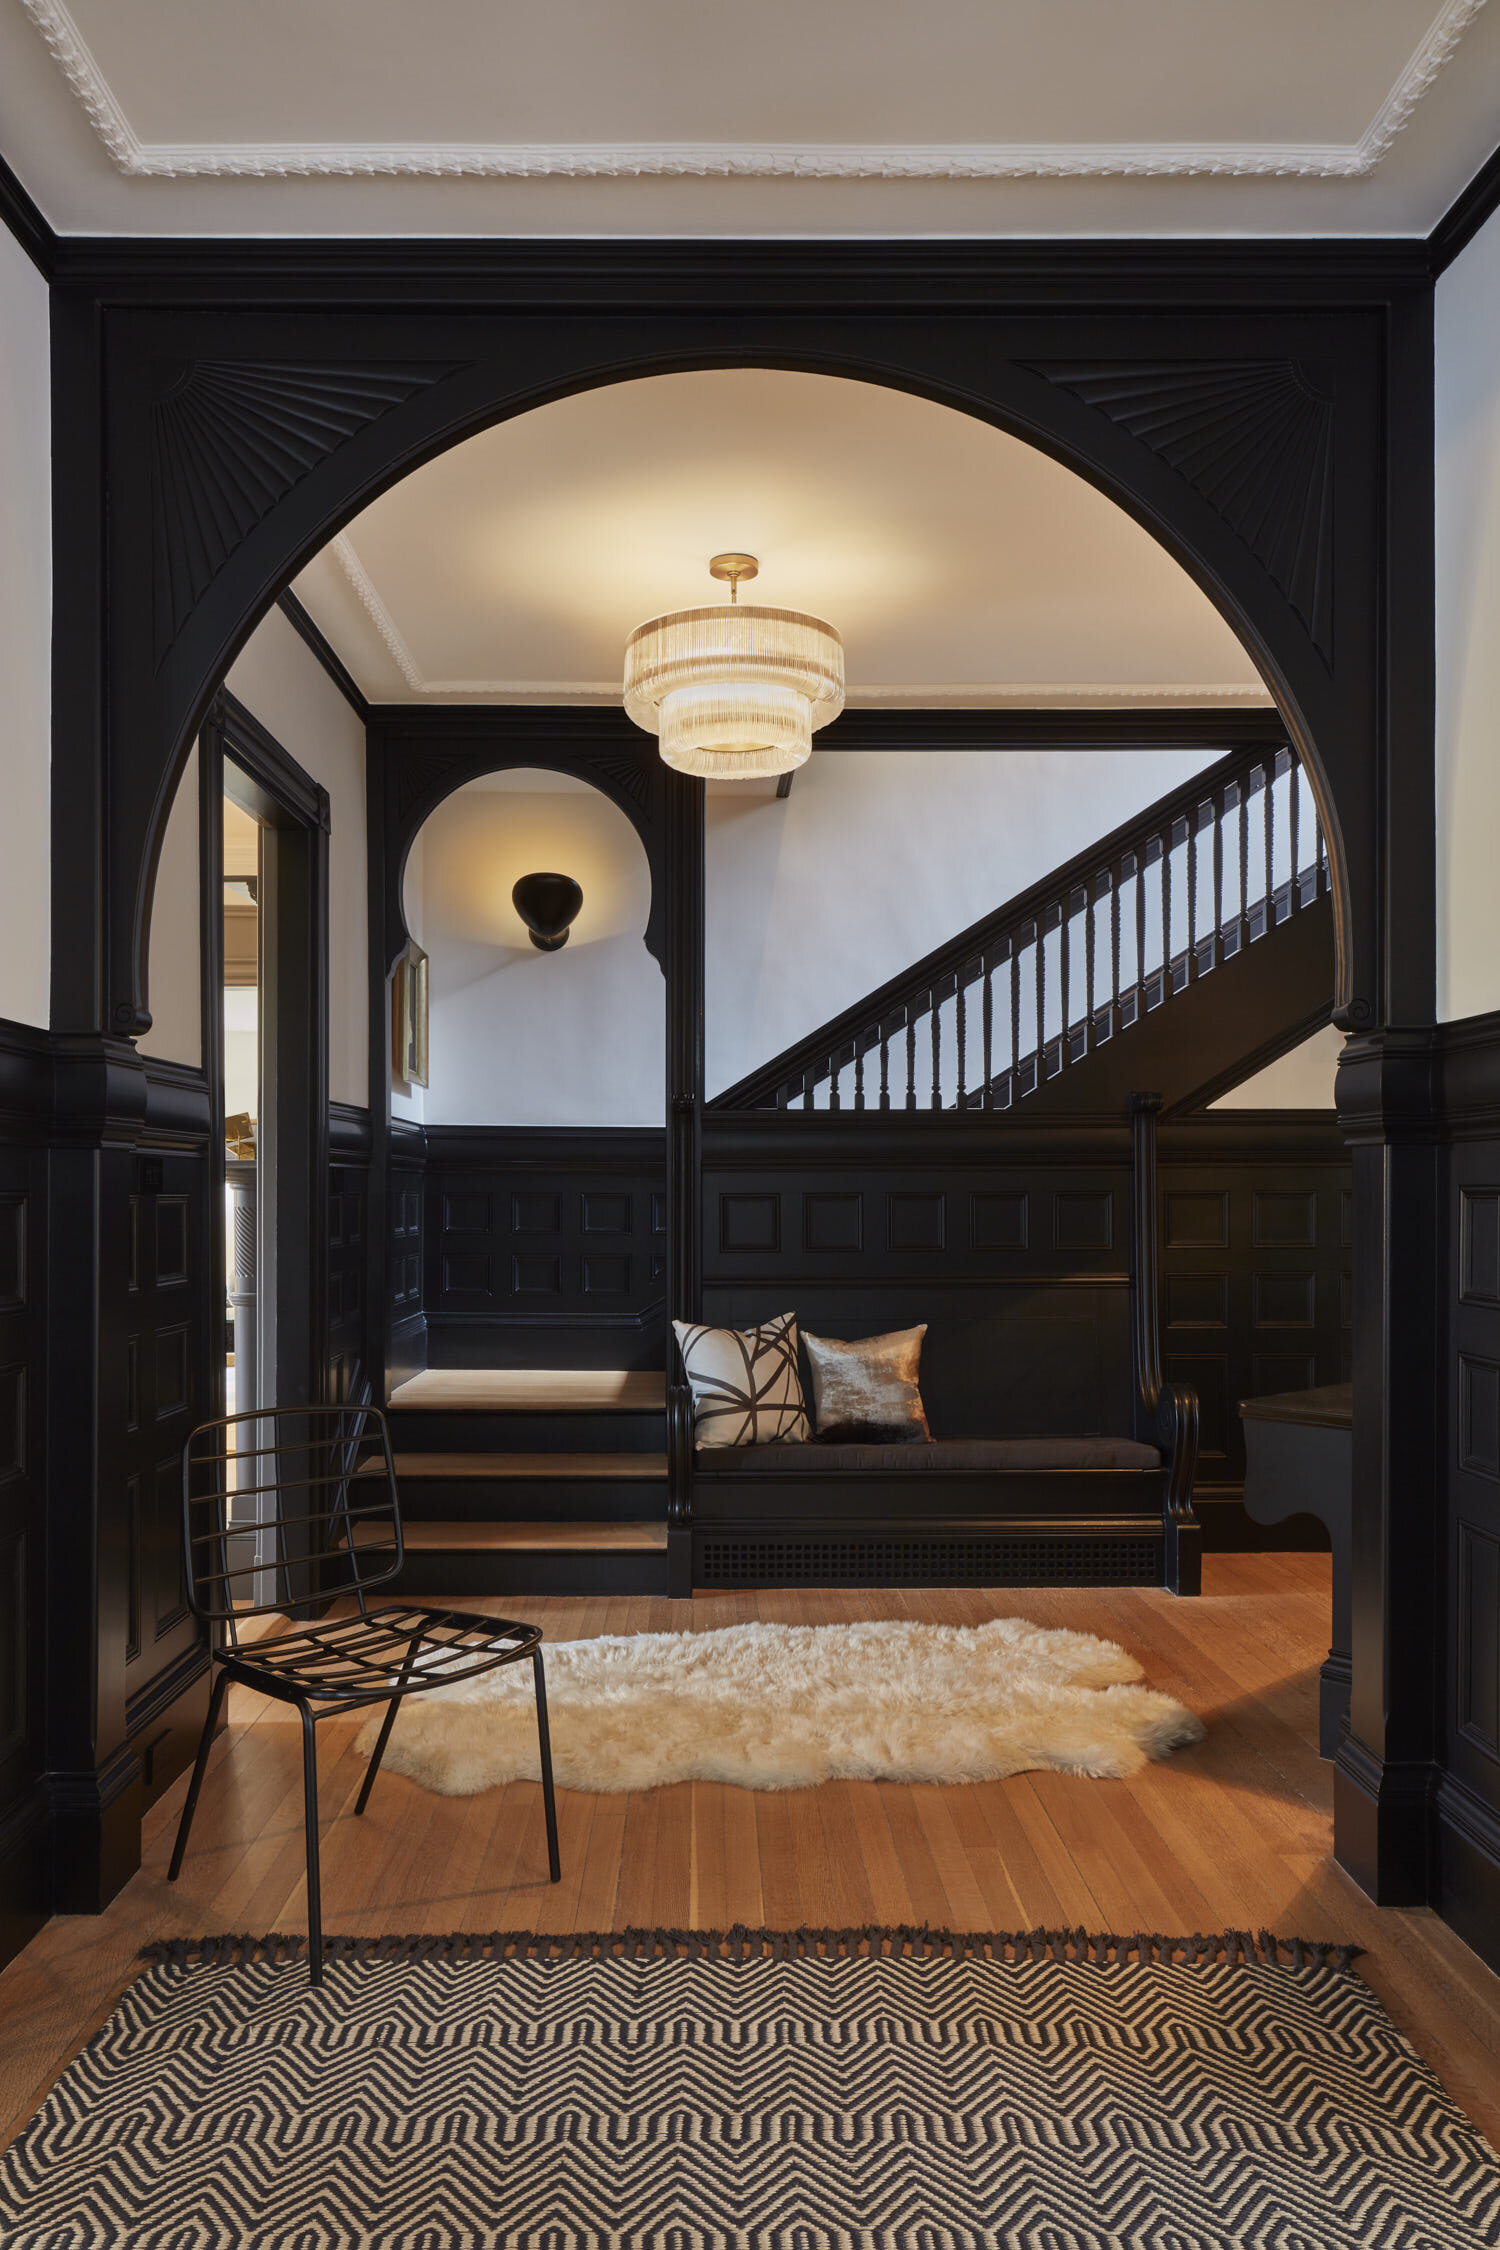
{"x":282,"y":682}
{"x":1468,"y":629}
{"x":1302,"y":1079}
{"x":876,"y":858}
{"x":25,"y":639}
{"x":519,"y":1037}
{"x":278,"y":678}
{"x":175,"y":946}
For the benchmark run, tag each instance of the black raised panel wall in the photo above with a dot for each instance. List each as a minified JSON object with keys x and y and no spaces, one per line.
{"x":1013,"y":1244}
{"x":25,"y":1104}
{"x":1466,"y":1834}
{"x":1257,"y":1292}
{"x":545,"y":1248}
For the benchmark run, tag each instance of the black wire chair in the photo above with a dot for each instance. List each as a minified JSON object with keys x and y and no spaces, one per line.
{"x":303,"y":1515}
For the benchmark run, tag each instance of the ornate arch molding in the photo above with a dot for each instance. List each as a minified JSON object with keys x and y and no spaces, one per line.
{"x":420,"y":757}
{"x":1255,"y":443}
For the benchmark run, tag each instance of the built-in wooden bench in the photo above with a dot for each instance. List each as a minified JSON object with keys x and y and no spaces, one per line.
{"x":1060,"y":1455}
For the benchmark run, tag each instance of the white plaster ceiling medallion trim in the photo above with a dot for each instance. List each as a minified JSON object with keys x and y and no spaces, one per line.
{"x":1029,"y":694}
{"x":536,"y":160}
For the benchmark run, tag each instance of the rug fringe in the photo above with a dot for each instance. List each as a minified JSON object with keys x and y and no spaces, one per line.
{"x":1100,"y":1949}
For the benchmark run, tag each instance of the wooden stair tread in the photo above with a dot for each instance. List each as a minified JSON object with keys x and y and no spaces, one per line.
{"x":517,"y":1390}
{"x":646,"y":1467}
{"x":534,"y":1538}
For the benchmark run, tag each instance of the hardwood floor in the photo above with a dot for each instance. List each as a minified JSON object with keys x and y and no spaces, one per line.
{"x":1233,"y":1832}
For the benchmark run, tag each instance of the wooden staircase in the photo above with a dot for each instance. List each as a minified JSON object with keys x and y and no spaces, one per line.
{"x":532,"y":1480}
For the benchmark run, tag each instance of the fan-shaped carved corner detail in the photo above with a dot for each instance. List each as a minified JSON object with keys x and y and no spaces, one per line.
{"x":230,"y":439}
{"x":1254,"y":438}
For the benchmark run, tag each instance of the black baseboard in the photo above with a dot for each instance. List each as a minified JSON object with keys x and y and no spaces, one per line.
{"x":1383,"y":1823}
{"x":1466,"y":1867}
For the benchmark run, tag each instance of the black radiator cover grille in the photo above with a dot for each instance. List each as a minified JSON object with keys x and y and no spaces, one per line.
{"x":738,"y":1560}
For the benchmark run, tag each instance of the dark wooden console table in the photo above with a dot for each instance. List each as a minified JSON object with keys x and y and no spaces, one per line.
{"x":1299,"y":1460}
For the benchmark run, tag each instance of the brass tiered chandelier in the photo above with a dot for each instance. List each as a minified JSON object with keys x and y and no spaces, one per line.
{"x":735,"y":690}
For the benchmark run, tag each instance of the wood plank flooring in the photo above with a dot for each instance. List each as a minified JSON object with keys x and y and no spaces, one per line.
{"x":530,"y":1390}
{"x":534,"y":1538}
{"x":1233,"y":1832}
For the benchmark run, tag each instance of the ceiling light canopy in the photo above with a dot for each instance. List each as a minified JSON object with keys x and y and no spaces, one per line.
{"x":734,"y":691}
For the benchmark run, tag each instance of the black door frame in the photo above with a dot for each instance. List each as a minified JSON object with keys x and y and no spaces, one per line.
{"x":294,"y":1003}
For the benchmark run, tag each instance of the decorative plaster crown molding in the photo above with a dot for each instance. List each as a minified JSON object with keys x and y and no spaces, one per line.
{"x":1023,"y":694}
{"x":540,"y":160}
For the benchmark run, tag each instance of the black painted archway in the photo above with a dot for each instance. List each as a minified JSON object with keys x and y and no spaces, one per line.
{"x":221,"y":409}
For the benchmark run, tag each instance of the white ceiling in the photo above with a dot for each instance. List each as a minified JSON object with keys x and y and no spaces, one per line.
{"x":960,"y":565}
{"x":748,"y":116}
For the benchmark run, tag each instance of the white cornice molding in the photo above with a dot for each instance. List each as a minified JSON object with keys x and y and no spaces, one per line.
{"x":910,"y":695}
{"x":539,"y":160}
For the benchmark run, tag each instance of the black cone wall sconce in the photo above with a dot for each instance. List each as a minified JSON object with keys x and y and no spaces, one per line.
{"x":548,"y":905}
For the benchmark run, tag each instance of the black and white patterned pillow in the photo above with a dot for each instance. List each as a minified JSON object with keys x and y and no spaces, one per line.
{"x":746,"y":1385}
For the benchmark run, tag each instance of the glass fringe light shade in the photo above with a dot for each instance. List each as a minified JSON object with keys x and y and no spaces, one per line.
{"x":734,"y":690}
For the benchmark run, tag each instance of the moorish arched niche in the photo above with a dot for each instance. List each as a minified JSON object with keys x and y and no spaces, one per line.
{"x":1250,"y":443}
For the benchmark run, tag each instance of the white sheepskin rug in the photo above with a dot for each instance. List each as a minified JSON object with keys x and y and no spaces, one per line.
{"x":785,"y":1706}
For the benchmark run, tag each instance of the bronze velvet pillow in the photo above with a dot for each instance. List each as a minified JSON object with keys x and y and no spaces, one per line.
{"x":867,"y":1393}
{"x":746,"y":1385}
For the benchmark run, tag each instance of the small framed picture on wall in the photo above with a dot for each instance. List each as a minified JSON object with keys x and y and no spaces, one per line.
{"x":409,"y":1014}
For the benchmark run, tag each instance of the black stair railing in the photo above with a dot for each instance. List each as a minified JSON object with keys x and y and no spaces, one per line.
{"x":1076,"y":961}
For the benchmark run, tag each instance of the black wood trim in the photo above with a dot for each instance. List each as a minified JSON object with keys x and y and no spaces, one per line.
{"x":24,"y":218}
{"x":273,"y":768}
{"x":954,"y":273}
{"x":1130,"y":728}
{"x":1465,"y":216}
{"x":564,"y":1148}
{"x":327,"y":655}
{"x":349,"y":1134}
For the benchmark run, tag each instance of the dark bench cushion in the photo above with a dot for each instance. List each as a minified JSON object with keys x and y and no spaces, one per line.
{"x":943,"y":1454}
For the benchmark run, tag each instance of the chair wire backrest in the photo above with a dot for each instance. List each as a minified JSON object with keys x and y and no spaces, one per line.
{"x":287,"y":1506}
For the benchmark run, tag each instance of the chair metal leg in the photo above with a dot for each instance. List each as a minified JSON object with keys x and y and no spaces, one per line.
{"x":310,"y":1816}
{"x":544,"y":1744}
{"x":384,"y":1735}
{"x":190,"y":1804}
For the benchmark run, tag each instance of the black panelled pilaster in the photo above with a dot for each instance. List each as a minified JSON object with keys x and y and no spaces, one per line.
{"x":1385,"y":1772}
{"x":685,"y":939}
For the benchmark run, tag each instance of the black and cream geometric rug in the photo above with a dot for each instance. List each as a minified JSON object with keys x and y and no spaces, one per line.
{"x":845,"y":2091}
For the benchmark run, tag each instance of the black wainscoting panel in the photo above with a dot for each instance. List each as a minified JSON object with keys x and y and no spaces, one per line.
{"x":544,"y":1248}
{"x":1478,"y":1415}
{"x":1479,"y":1246}
{"x":1477,"y":1707}
{"x":25,"y":1085}
{"x":168,"y":1344}
{"x":406,"y":1325}
{"x":1468,"y":1826}
{"x":1023,"y":1336}
{"x":1257,"y":1281}
{"x":349,"y":1363}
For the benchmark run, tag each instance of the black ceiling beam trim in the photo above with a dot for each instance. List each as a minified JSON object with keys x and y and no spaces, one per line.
{"x":1463,"y":219}
{"x":26,"y":223}
{"x":1129,"y":729}
{"x":326,"y":654}
{"x":650,"y":275}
